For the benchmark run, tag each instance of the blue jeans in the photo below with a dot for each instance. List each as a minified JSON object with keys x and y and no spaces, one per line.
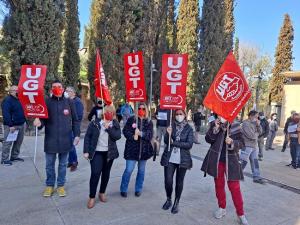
{"x":130,"y":164}
{"x":72,"y":154}
{"x":295,"y":151}
{"x":50,"y":169}
{"x":250,"y":153}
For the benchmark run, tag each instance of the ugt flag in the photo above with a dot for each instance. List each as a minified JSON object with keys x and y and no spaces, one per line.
{"x":134,"y":77}
{"x":174,"y":81}
{"x":31,"y":90}
{"x":100,"y":81}
{"x":229,"y":91}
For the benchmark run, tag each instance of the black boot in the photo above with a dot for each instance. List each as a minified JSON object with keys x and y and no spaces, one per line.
{"x":174,"y":209}
{"x":167,"y":204}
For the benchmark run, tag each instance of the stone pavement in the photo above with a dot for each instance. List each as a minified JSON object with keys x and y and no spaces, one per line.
{"x":21,"y":201}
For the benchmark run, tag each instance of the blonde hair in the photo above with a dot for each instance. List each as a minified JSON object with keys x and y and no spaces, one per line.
{"x":110,"y":108}
{"x":146,"y":109}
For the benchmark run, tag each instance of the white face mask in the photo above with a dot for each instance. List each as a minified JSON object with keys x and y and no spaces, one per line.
{"x":222,"y":120}
{"x":261,"y":117}
{"x":66,"y":95}
{"x":179,"y":118}
{"x":99,"y":113}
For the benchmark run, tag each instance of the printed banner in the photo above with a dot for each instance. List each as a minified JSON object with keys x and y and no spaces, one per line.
{"x":101,"y":88}
{"x":134,"y":77}
{"x":31,"y":90}
{"x":174,"y":81}
{"x":229,"y":91}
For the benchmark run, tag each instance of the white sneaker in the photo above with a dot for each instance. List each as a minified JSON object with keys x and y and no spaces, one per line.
{"x":220,"y":213}
{"x":243,"y":220}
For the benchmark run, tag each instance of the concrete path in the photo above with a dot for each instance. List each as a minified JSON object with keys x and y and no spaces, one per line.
{"x":21,"y":201}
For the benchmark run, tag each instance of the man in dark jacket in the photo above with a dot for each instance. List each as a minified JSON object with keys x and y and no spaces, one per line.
{"x":62,"y":121}
{"x":265,"y":131}
{"x":197,"y":118}
{"x":71,"y":93}
{"x":288,"y":121}
{"x":13,"y":119}
{"x":163,"y":121}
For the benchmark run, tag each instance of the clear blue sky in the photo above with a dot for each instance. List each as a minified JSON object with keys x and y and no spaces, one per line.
{"x":258,"y":22}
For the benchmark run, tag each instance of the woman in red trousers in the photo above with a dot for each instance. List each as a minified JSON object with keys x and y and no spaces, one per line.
{"x":226,"y":141}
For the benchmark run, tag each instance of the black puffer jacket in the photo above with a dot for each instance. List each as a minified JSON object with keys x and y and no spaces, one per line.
{"x":211,"y":161}
{"x":62,"y":121}
{"x":142,"y":148}
{"x":185,"y":144}
{"x":92,"y":135}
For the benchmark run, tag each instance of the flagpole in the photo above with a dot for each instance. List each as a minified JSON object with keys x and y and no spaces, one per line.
{"x":169,"y":145}
{"x":101,"y":93}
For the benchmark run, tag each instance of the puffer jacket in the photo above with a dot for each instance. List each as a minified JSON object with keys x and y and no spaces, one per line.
{"x":211,"y":161}
{"x":92,"y":135}
{"x":185,"y":144}
{"x":140,"y":149}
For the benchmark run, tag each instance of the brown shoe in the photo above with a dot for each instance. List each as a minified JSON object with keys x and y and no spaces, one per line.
{"x":102,"y":197}
{"x":74,"y":167}
{"x":91,"y":203}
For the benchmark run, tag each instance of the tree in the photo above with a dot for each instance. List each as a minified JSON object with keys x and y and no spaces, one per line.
{"x":216,"y":32}
{"x":236,"y":49}
{"x":32,"y":34}
{"x":283,"y":59}
{"x":171,"y":27}
{"x":187,"y":40}
{"x":71,"y":63}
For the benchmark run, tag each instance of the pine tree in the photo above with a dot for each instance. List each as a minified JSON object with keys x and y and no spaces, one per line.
{"x":171,"y":27}
{"x":32,"y":34}
{"x":187,"y":40}
{"x":71,"y":68}
{"x":236,"y":49}
{"x":283,"y":59}
{"x":216,"y":32}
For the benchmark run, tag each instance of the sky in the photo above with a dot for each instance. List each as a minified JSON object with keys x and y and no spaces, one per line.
{"x":257,"y":22}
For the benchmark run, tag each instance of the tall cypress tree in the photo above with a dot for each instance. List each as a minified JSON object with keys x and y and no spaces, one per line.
{"x":236,"y":48}
{"x":171,"y":27}
{"x":71,"y":68}
{"x":283,"y":59}
{"x":216,"y":32}
{"x":187,"y":39}
{"x":32,"y":34}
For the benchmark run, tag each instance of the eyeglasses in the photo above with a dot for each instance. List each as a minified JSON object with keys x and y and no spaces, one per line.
{"x":142,"y":109}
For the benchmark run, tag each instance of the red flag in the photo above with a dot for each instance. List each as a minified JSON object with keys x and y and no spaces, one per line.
{"x":31,"y":90}
{"x":101,"y":87}
{"x":229,"y":91}
{"x":134,"y":77}
{"x":174,"y":81}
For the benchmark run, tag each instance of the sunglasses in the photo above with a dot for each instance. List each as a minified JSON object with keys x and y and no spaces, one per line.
{"x":142,"y":109}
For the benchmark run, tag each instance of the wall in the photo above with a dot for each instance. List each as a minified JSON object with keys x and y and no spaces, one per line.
{"x":291,"y":101}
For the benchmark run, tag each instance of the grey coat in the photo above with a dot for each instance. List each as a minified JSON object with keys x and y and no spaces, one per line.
{"x":251,"y":131}
{"x":62,"y":120}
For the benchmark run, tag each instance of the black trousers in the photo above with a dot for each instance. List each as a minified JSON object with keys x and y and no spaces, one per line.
{"x":169,"y":174}
{"x":99,"y":165}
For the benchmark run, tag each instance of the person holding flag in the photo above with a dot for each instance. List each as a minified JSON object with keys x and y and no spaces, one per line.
{"x":226,"y":140}
{"x":176,"y":157}
{"x":138,"y":132}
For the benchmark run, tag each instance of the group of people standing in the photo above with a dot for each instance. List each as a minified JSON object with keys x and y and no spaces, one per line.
{"x":231,"y":146}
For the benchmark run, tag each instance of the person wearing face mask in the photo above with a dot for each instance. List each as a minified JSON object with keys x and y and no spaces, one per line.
{"x":96,"y":111}
{"x":101,"y":149}
{"x":273,"y":130}
{"x":251,"y":129}
{"x":223,"y":158}
{"x":62,"y":121}
{"x":13,"y":119}
{"x":294,"y":138}
{"x":138,"y":132}
{"x":285,"y":130}
{"x":265,"y":132}
{"x":71,"y":93}
{"x":177,"y":158}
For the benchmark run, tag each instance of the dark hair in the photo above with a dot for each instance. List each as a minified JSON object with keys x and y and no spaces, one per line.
{"x":56,"y":81}
{"x":252,"y":113}
{"x":261,"y":114}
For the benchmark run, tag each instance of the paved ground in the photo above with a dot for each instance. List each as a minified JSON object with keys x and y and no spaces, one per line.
{"x":21,"y":202}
